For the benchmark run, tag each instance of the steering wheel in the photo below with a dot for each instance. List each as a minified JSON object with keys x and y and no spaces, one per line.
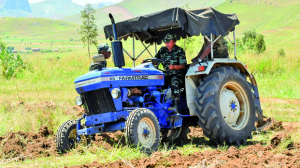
{"x":156,"y":60}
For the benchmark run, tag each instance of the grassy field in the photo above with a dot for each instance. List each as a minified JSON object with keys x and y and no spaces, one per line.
{"x":278,"y":20}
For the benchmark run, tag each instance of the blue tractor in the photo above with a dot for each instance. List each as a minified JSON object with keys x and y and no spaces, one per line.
{"x":216,"y":95}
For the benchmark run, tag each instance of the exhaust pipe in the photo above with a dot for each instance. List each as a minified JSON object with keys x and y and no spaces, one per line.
{"x":117,"y":48}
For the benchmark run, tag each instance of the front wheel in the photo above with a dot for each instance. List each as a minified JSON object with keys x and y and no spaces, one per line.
{"x":226,"y":107}
{"x":66,"y":137}
{"x":142,"y":128}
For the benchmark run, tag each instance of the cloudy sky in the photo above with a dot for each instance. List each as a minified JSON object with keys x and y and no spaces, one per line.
{"x":82,"y":2}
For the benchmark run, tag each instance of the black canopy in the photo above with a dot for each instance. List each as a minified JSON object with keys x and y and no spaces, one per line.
{"x":152,"y":27}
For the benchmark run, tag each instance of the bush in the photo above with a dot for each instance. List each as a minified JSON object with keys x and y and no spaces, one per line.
{"x":10,"y":64}
{"x":251,"y":41}
{"x":260,"y":45}
{"x":27,"y":48}
{"x":281,"y":52}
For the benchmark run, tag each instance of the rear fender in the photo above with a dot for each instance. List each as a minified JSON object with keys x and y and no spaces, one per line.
{"x":193,"y":76}
{"x":216,"y":63}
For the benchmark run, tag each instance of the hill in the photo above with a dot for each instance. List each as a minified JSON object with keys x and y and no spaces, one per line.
{"x":55,"y":8}
{"x":132,"y":8}
{"x":36,"y":29}
{"x":138,"y":8}
{"x":16,"y":5}
{"x":15,"y":8}
{"x":278,"y":20}
{"x":102,"y":19}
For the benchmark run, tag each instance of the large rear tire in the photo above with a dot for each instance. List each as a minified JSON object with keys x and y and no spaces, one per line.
{"x":66,"y":137}
{"x":142,"y":128}
{"x":226,"y":107}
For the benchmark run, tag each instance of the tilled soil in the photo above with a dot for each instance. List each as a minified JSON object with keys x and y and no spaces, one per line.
{"x":28,"y":145}
{"x":22,"y":145}
{"x":254,"y":155}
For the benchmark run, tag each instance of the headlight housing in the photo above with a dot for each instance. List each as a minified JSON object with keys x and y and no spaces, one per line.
{"x":116,"y":93}
{"x":78,"y":101}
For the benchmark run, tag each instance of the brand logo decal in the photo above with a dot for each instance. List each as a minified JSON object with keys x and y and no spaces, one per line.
{"x":133,"y":77}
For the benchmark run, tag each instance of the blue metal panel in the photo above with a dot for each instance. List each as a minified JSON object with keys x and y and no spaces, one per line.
{"x":105,"y":118}
{"x":124,"y":94}
{"x":100,"y":129}
{"x":120,"y":77}
{"x":88,"y":131}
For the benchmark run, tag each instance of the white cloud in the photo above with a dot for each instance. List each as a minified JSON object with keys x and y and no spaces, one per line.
{"x":81,"y":2}
{"x":35,"y":1}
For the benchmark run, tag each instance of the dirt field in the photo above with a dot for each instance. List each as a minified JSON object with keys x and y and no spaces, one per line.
{"x":22,"y":146}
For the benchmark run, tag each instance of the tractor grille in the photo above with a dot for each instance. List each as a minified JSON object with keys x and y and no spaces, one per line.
{"x":98,"y":101}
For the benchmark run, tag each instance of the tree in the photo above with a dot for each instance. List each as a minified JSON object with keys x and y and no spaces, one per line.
{"x":10,"y":64}
{"x":88,"y":29}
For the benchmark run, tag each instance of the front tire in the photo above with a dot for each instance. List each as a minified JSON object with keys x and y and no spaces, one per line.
{"x":66,"y":137}
{"x":226,"y":107}
{"x":142,"y":128}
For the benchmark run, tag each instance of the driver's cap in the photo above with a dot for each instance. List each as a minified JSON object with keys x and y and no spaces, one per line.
{"x":168,"y":37}
{"x":103,"y":47}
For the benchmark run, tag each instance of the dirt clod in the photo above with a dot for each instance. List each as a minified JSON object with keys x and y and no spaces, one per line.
{"x":28,"y":145}
{"x":44,"y":131}
{"x":276,"y":126}
{"x":278,"y":138}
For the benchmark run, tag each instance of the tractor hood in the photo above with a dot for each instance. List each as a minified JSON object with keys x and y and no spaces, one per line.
{"x":142,"y":75}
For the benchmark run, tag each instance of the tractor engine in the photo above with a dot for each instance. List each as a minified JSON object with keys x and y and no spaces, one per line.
{"x":118,"y":89}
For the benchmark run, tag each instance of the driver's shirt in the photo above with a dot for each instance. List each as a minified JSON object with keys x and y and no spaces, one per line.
{"x":175,"y":57}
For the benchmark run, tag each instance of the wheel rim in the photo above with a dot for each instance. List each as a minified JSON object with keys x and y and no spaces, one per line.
{"x":73,"y":139}
{"x":146,"y":132}
{"x":234,"y":105}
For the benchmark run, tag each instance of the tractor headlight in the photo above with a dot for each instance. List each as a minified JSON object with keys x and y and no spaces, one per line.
{"x":78,"y":101}
{"x":116,"y":93}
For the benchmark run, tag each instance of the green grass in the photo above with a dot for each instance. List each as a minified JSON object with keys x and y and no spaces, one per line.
{"x":35,"y":30}
{"x":83,"y":155}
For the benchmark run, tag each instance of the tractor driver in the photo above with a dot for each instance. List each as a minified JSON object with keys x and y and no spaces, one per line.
{"x":106,"y":51}
{"x":174,"y":65}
